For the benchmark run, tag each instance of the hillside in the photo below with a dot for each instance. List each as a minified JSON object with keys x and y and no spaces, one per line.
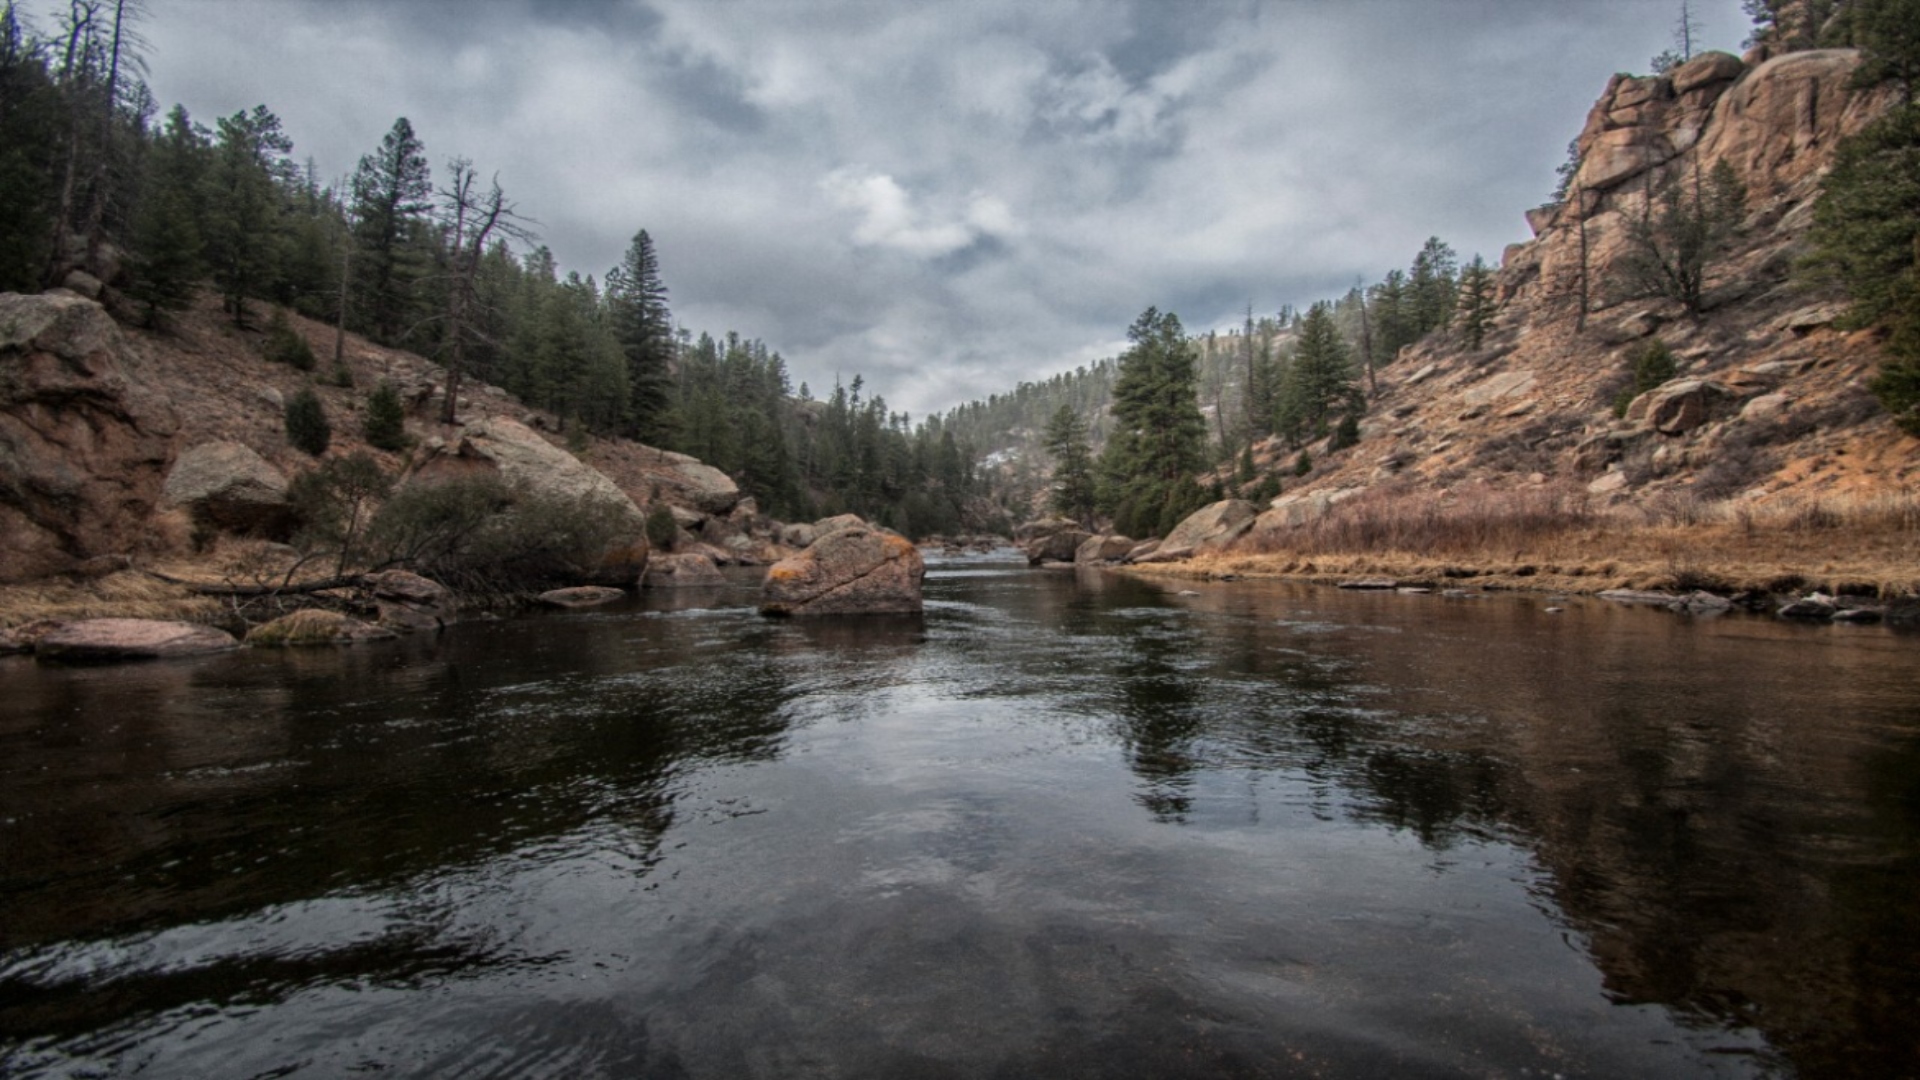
{"x":97,"y":416}
{"x":1767,"y":428}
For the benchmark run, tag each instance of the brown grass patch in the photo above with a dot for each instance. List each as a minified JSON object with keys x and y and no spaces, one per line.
{"x":128,"y":594}
{"x":1554,"y":539}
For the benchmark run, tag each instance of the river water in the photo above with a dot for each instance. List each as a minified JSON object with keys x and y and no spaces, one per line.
{"x":1073,"y":826}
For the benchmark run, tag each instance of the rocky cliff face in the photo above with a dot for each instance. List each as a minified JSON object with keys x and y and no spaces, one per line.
{"x":85,"y":438}
{"x":1770,"y":400}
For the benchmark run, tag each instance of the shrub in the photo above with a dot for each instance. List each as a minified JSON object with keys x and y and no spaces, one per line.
{"x":307,"y":427}
{"x":1303,"y":464}
{"x":334,"y":502}
{"x":341,"y":377}
{"x":1652,"y":367}
{"x":386,"y":424}
{"x":661,"y":528}
{"x":479,"y":531}
{"x":284,"y":345}
{"x":1346,"y":434}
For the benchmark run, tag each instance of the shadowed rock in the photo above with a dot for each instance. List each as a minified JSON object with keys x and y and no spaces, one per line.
{"x":229,"y":486}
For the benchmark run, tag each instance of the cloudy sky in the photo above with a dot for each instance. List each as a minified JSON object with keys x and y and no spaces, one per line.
{"x":952,"y":197}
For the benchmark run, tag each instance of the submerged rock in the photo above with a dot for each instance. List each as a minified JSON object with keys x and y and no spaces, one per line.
{"x":316,"y":626}
{"x":862,"y":571}
{"x":1811,"y":606}
{"x":580,"y":596}
{"x":105,"y":640}
{"x":682,"y":570}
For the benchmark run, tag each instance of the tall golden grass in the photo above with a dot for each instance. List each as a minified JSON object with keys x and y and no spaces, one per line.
{"x":1560,"y":538}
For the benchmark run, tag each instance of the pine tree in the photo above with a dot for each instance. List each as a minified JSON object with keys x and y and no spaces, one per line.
{"x":1867,"y":223}
{"x":306,"y":421}
{"x":165,"y":258}
{"x":1073,"y":482}
{"x":1159,"y":438}
{"x":1430,"y":287}
{"x":386,"y":423}
{"x":392,"y":192}
{"x":1320,"y":380}
{"x":242,"y":229}
{"x":30,"y":123}
{"x":1476,"y":301}
{"x":643,"y":327}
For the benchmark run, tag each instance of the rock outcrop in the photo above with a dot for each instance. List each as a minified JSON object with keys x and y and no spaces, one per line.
{"x":1210,"y":528}
{"x":853,"y":571}
{"x":84,"y":442}
{"x":226,"y":486}
{"x":109,"y":640}
{"x":523,"y":458}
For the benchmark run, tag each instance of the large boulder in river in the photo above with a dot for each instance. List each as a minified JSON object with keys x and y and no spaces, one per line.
{"x":855,"y":571}
{"x":84,"y":440}
{"x":407,"y":601}
{"x":1102,"y":549}
{"x":1058,"y":546}
{"x":106,"y":640}
{"x":227,"y":486}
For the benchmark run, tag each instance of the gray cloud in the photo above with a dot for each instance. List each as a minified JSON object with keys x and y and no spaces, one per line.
{"x":951,"y":197}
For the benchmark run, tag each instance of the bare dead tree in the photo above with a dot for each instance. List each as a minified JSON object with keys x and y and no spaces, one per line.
{"x":122,"y":52}
{"x":471,"y":218}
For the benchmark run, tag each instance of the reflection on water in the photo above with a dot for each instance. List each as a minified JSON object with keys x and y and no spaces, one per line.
{"x":1060,"y":825}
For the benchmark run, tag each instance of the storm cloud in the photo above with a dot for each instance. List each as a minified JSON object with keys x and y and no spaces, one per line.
{"x":951,"y":197}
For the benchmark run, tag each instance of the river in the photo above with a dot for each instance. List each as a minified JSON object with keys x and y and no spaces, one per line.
{"x":1062,"y":826}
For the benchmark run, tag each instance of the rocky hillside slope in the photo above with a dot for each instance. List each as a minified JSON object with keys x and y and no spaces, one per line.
{"x":1770,"y":404}
{"x":120,"y":444}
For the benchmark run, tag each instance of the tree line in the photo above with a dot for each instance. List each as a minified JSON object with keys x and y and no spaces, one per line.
{"x":94,"y":181}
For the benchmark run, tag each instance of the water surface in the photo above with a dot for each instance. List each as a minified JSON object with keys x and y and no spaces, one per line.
{"x":1061,"y":826}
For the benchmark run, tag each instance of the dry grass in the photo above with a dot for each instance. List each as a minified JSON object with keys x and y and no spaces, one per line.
{"x":1543,"y":538}
{"x":128,"y":594}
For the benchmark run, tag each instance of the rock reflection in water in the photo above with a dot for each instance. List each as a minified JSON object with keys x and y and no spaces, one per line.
{"x":1059,"y":825}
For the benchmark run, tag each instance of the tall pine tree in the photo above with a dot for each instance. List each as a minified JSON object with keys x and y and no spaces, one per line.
{"x":643,"y":326}
{"x":1159,"y":438}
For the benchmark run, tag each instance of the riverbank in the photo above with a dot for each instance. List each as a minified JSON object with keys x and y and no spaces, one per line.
{"x":1843,"y":547}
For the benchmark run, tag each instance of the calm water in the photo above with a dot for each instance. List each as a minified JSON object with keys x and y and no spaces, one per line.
{"x":1060,"y":827}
